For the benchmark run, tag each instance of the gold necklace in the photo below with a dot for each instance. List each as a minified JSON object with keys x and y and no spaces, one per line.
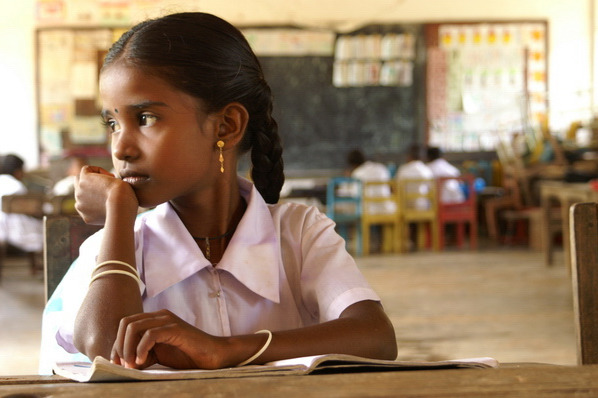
{"x":207,"y":240}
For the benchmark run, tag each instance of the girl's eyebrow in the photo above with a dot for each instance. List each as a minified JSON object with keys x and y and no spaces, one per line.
{"x":141,"y":105}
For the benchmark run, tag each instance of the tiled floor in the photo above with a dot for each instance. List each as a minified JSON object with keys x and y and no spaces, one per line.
{"x":456,"y":304}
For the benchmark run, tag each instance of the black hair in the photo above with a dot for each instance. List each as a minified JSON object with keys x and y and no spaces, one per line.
{"x":11,"y":164}
{"x":433,"y":153}
{"x":355,"y":158}
{"x":414,"y":152}
{"x":208,"y":58}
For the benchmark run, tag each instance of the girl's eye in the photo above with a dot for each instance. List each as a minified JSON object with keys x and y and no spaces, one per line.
{"x":111,"y":125}
{"x":147,"y":120}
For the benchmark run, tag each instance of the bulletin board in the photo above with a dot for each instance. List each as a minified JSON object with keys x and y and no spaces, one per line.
{"x":484,"y":80}
{"x":68,"y":63}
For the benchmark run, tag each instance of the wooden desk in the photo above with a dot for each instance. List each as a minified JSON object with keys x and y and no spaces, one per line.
{"x":564,"y":194}
{"x":510,"y":381}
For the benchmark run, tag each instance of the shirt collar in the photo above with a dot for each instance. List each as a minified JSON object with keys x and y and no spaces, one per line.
{"x":252,"y":256}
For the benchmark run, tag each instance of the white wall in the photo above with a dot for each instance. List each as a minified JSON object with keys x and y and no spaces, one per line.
{"x":18,"y":131}
{"x":570,"y":42}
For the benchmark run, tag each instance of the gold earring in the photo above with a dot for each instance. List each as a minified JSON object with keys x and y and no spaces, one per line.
{"x":220,"y":145}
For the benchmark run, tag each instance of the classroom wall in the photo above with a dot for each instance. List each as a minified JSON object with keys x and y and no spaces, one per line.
{"x":571,"y":26}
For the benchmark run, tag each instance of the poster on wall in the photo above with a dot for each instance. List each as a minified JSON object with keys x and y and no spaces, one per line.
{"x":68,"y":67}
{"x":488,"y":79}
{"x":50,"y":11}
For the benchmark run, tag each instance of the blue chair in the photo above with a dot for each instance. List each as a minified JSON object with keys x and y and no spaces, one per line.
{"x":344,"y":207}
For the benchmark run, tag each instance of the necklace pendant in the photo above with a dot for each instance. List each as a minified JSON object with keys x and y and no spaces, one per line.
{"x":207,"y":248}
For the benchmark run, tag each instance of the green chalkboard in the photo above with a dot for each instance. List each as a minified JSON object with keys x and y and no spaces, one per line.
{"x":319,"y":123}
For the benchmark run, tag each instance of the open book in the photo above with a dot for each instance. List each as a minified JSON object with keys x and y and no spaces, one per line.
{"x":102,"y":370}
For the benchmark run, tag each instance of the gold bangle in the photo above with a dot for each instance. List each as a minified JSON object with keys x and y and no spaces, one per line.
{"x":119,"y":263}
{"x":116,"y":271}
{"x":261,"y":351}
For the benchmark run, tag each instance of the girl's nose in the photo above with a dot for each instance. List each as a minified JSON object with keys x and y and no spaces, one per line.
{"x":124,"y":147}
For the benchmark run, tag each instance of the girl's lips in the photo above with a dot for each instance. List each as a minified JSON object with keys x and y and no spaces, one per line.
{"x":135,"y":180}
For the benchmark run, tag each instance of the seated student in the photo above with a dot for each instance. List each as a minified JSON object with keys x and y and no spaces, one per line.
{"x":66,"y":186}
{"x":415,"y":169}
{"x":367,"y":170}
{"x":451,"y":191}
{"x":218,"y":274}
{"x":20,"y":230}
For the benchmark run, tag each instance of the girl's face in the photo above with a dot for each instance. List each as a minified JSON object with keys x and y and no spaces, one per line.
{"x":162,"y":143}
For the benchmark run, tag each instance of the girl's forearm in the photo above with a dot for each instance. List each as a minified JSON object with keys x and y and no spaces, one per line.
{"x":111,"y":296}
{"x":362,"y":330}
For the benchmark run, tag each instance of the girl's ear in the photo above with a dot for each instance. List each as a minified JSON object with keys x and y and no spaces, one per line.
{"x":232,"y":123}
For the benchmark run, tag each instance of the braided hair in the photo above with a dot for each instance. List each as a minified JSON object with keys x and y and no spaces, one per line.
{"x":208,"y":58}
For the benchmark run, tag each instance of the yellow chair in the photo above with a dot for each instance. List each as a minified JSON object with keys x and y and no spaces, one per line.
{"x":380,"y":210}
{"x":418,"y":204}
{"x":63,"y":204}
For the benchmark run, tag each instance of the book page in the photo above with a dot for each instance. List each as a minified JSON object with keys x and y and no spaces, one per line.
{"x":103,"y":370}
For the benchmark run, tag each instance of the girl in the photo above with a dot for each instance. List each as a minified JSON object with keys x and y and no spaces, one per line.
{"x":189,"y":283}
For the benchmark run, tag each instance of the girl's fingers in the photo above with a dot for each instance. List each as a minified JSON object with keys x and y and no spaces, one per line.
{"x":151,"y":337}
{"x":131,"y":330}
{"x":95,"y":169}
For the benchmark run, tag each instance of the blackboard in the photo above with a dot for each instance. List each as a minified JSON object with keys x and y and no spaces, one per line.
{"x":319,"y":123}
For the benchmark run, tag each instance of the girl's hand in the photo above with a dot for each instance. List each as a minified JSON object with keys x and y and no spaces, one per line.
{"x":162,"y":337}
{"x":96,"y":189}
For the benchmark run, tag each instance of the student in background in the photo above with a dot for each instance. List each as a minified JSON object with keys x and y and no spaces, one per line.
{"x":20,"y":230}
{"x":451,"y":190}
{"x":367,"y":170}
{"x":416,"y":169}
{"x":66,"y":186}
{"x":218,"y":274}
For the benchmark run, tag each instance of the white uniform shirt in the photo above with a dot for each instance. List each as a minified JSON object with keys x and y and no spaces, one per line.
{"x":451,"y":191}
{"x":415,"y":170}
{"x":65,"y":186}
{"x":285,"y":267}
{"x":20,"y":230}
{"x":373,"y":171}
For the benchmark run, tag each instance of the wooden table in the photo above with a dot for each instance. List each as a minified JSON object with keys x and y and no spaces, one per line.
{"x":525,"y":380}
{"x":563,"y":194}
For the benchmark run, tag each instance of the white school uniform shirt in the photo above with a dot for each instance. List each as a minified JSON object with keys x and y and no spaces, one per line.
{"x":415,"y":170}
{"x":20,"y":230}
{"x":284,"y":268}
{"x":65,"y":186}
{"x":451,"y":191}
{"x":373,"y":171}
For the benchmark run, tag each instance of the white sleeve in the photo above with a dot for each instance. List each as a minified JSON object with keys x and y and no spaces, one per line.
{"x":330,"y":278}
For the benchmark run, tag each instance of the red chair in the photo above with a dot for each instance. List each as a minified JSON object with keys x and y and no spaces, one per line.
{"x":460,"y":213}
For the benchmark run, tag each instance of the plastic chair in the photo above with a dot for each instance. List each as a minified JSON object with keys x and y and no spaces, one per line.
{"x":63,"y":204}
{"x":381,"y":210}
{"x":344,"y":207}
{"x":460,"y":213}
{"x":418,"y":204}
